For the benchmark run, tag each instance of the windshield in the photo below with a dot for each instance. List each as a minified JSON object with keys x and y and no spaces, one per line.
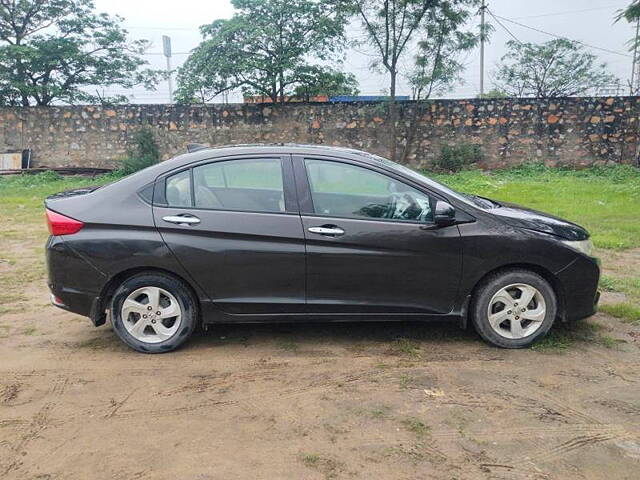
{"x":474,"y":200}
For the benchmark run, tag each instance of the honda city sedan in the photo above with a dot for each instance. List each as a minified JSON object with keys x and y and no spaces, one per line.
{"x":264,"y":233}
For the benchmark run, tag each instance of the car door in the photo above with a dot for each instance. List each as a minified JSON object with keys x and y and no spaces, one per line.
{"x":372,"y":245}
{"x":235,"y":227}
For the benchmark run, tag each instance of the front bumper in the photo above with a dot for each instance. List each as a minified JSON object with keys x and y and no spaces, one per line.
{"x":579,"y":281}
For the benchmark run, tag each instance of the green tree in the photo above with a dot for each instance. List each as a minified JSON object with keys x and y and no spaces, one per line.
{"x":262,"y":48}
{"x":557,"y":68}
{"x":393,"y":26}
{"x":631,"y":13}
{"x":437,"y":64}
{"x":493,"y":94}
{"x":314,"y":80}
{"x":56,"y":50}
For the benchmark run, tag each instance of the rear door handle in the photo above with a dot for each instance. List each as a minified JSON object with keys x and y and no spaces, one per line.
{"x":182,"y":219}
{"x":329,"y":231}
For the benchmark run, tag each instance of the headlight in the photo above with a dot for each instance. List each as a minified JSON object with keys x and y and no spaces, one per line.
{"x":583,"y":246}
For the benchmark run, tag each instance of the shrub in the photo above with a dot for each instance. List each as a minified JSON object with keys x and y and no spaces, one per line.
{"x":144,"y":153}
{"x":454,"y":158}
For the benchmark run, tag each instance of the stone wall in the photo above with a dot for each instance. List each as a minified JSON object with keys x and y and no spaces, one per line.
{"x":575,"y":131}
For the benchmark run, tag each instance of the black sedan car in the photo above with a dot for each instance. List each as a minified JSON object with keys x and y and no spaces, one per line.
{"x":262,"y":233}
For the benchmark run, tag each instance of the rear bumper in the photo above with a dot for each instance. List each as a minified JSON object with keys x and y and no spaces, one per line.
{"x":74,"y":284}
{"x":580,"y":288}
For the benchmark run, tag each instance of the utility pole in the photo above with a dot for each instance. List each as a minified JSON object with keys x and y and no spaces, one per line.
{"x":482,"y":38}
{"x":166,"y":49}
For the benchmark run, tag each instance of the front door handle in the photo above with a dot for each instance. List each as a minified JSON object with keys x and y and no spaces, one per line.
{"x":327,"y":230}
{"x":182,"y":219}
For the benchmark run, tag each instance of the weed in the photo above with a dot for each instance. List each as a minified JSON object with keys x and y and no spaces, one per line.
{"x":310,"y":459}
{"x":626,"y":311}
{"x":406,"y":381}
{"x":453,"y":158}
{"x":628,"y":285}
{"x":608,"y":341}
{"x":405,"y":346}
{"x":416,"y":426}
{"x":29,"y":331}
{"x":288,"y":345}
{"x":380,"y":412}
{"x":144,"y":153}
{"x":608,"y":284}
{"x":328,"y":466}
{"x":566,"y":335}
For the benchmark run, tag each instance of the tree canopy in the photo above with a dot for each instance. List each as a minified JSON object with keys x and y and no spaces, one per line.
{"x":315,"y":80}
{"x":57,"y":50}
{"x":557,"y":68}
{"x":437,"y":65}
{"x":393,"y":27}
{"x":264,"y":49}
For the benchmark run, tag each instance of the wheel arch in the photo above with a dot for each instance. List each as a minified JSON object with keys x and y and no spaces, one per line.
{"x":553,"y":280}
{"x":110,"y":287}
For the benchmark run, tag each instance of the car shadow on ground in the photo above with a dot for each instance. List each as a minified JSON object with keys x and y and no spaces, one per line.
{"x":293,"y":335}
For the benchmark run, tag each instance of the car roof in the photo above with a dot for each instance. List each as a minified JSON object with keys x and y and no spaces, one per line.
{"x":149,"y":174}
{"x":205,"y":153}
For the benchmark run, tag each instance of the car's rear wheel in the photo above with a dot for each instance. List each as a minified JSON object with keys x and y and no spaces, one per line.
{"x":513,"y":308}
{"x":153,"y":313}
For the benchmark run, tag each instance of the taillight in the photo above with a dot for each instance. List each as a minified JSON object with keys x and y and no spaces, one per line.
{"x":61,"y":225}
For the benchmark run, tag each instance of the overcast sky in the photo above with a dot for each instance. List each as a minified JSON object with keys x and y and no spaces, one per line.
{"x":589,"y":21}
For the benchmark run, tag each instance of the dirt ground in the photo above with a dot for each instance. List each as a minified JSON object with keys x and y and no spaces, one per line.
{"x":371,"y":401}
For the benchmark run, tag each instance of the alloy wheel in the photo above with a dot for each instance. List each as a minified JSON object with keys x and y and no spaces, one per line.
{"x":151,"y":314}
{"x":516,"y":311}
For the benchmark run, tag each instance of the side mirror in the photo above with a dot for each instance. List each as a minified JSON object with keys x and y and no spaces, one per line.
{"x":445,"y":214}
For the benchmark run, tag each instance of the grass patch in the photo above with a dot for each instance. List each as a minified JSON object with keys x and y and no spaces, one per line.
{"x":602,"y":199}
{"x":566,"y":335}
{"x":406,"y":381}
{"x":288,"y":346}
{"x":29,"y":331}
{"x":405,"y":346}
{"x":327,"y":466}
{"x":380,"y":412}
{"x":415,"y":425}
{"x":310,"y":459}
{"x":630,"y":286}
{"x":627,"y":312}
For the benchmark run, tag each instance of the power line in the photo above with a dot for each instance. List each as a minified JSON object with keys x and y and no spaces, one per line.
{"x":557,"y":36}
{"x":503,"y":26}
{"x":567,"y":12}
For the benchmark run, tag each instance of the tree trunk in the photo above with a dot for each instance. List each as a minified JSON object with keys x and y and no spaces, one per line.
{"x":411,"y":132}
{"x":393,"y":114}
{"x":281,"y":79}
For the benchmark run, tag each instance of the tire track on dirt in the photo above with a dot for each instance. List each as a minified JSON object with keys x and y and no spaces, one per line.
{"x":575,"y":443}
{"x":542,"y":431}
{"x":40,"y":422}
{"x":267,"y":394}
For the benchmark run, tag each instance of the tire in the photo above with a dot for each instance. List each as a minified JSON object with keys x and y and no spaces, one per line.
{"x":499,"y":316}
{"x":169,"y":322}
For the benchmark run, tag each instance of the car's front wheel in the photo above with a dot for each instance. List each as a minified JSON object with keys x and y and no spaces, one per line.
{"x":153,"y":313}
{"x":513,"y":308}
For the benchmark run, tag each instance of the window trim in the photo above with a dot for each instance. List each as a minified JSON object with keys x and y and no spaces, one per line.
{"x":306,"y":204}
{"x":288,"y":184}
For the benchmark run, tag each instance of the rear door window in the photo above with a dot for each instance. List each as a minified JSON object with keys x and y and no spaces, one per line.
{"x":247,"y":184}
{"x":178,"y":189}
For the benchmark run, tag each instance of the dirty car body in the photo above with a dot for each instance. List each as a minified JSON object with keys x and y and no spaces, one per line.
{"x":299,"y":232}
